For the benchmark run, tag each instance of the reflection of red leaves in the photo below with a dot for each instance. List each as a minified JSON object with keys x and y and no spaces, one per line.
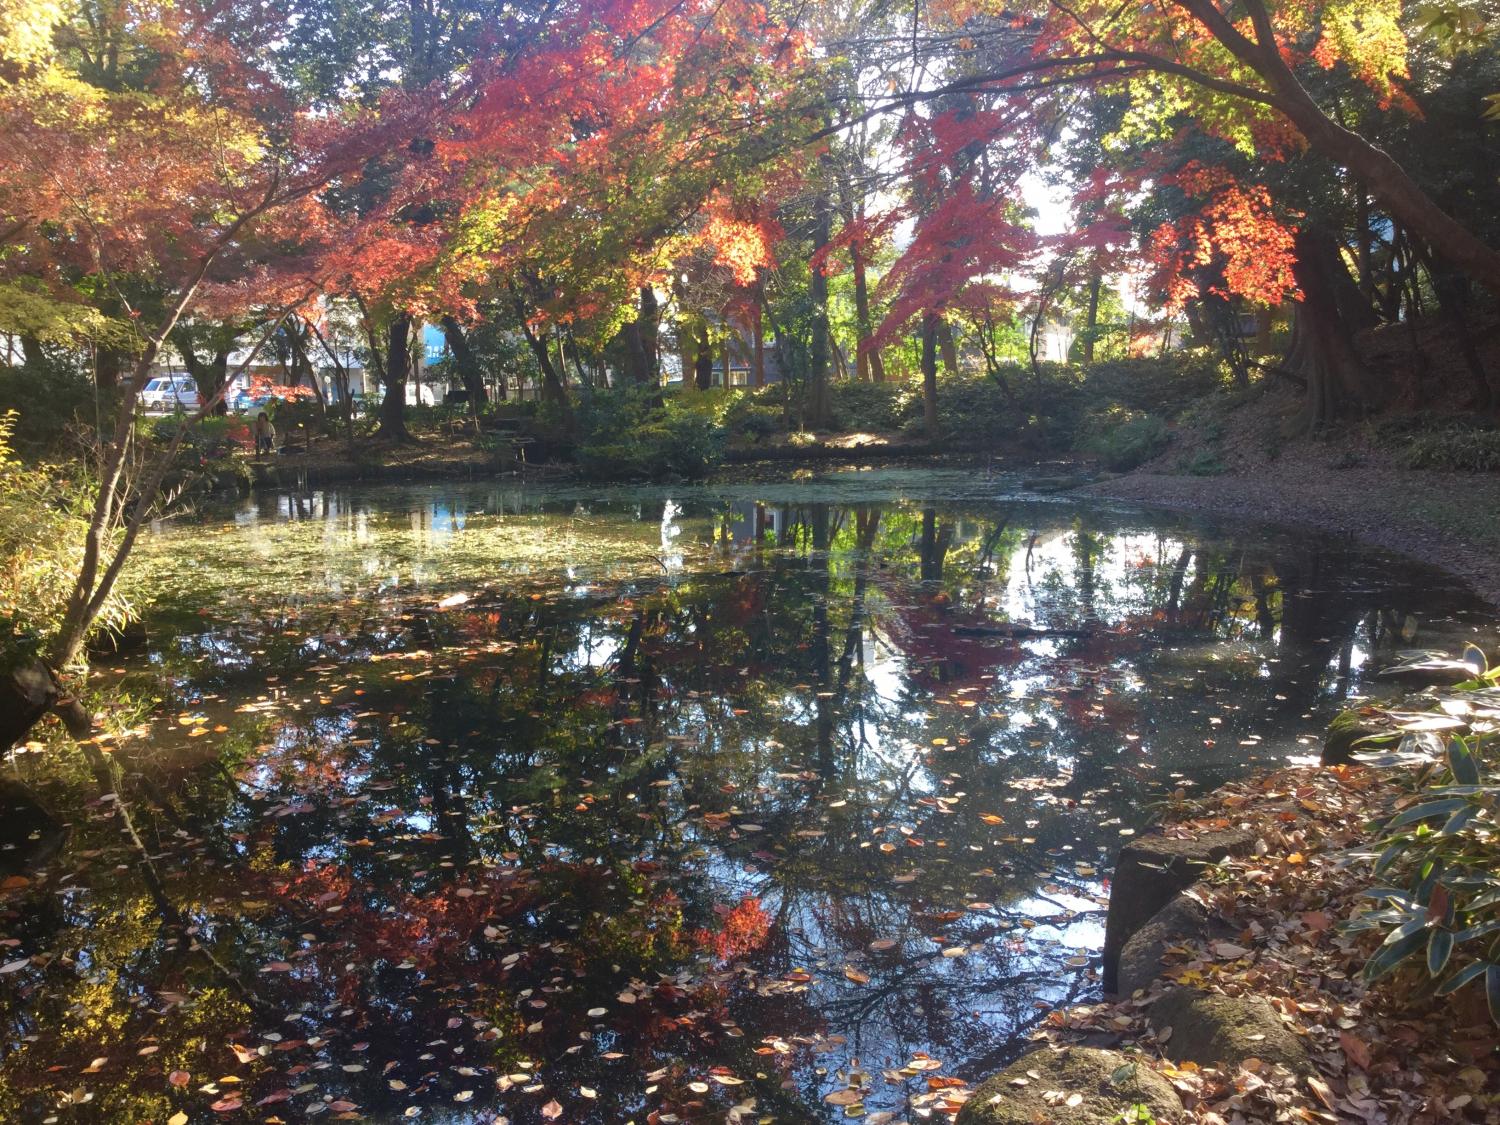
{"x":744,"y":930}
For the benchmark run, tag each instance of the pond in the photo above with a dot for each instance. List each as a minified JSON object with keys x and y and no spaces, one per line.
{"x":784,"y":800}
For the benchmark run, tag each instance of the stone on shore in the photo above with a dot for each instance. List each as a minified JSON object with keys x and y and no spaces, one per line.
{"x":1100,"y":1085}
{"x":1211,"y":1029}
{"x":1150,"y":873}
{"x":1182,"y":920}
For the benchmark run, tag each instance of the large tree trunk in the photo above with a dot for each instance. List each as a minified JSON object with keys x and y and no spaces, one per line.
{"x":639,"y":340}
{"x":1322,"y":348}
{"x":929,"y":374}
{"x":397,"y":371}
{"x":465,"y":363}
{"x":703,"y":359}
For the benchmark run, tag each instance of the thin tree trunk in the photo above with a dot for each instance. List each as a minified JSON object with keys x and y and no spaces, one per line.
{"x":929,"y":374}
{"x":947,"y":347}
{"x":817,"y":374}
{"x":1091,"y":321}
{"x":553,"y":390}
{"x":397,"y":371}
{"x":465,"y":363}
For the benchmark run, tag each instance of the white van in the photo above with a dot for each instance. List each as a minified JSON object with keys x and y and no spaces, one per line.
{"x":171,"y":392}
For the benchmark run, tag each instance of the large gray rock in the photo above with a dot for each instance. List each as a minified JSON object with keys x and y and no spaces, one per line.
{"x":1035,"y":1088}
{"x":1149,"y":874}
{"x":1182,"y":920}
{"x":1211,"y":1029}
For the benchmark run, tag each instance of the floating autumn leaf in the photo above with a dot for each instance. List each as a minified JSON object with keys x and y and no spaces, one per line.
{"x":845,"y":1097}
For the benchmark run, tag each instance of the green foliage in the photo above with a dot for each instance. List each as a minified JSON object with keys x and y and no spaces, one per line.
{"x":752,"y":419}
{"x":1438,"y":862}
{"x":48,"y":396}
{"x":1206,"y":462}
{"x":1163,"y":385}
{"x":1123,"y":441}
{"x":1454,"y":447}
{"x":870,"y":407}
{"x":43,"y":518}
{"x":636,"y":434}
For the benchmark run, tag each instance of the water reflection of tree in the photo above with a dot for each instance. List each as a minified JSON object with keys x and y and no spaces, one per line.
{"x":846,"y":685}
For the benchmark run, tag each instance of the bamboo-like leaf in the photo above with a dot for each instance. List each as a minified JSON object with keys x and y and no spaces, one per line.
{"x":1439,"y":949}
{"x":1462,"y":977}
{"x":1462,"y":762}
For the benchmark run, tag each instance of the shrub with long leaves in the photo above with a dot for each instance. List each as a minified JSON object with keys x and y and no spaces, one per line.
{"x":1438,"y":858}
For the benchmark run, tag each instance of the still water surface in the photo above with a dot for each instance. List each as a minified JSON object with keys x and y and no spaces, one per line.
{"x":544,"y":804}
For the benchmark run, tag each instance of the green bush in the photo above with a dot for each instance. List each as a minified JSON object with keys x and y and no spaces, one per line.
{"x":869,"y":407}
{"x":1123,"y":441}
{"x":1161,"y":385}
{"x":48,"y":398}
{"x":637,"y":434}
{"x":751,"y":420}
{"x":1207,"y":462}
{"x":1456,"y":448}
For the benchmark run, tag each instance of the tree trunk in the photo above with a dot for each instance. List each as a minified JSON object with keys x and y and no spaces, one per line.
{"x":1091,"y":321}
{"x":209,"y":377}
{"x":1452,"y":301}
{"x":868,"y":364}
{"x":639,"y":340}
{"x":108,"y":363}
{"x":553,"y":390}
{"x":397,"y":370}
{"x":703,"y":359}
{"x":465,"y":363}
{"x":947,"y":347}
{"x":758,"y":350}
{"x":929,"y":374}
{"x":817,"y":360}
{"x":1322,"y":348}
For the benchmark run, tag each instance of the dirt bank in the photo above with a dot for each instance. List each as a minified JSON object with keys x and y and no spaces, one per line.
{"x":1348,"y":485}
{"x":1446,"y":519}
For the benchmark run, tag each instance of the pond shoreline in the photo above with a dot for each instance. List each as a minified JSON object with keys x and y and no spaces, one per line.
{"x":1242,"y":996}
{"x":1442,"y":519}
{"x":1434,"y":517}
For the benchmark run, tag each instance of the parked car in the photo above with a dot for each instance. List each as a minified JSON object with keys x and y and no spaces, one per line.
{"x":171,"y":392}
{"x":243,"y":402}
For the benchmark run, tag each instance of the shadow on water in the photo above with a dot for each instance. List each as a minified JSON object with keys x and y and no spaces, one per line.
{"x":525,"y":802}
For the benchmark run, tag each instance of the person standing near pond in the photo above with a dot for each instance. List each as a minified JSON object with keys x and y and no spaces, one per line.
{"x":265,"y":434}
